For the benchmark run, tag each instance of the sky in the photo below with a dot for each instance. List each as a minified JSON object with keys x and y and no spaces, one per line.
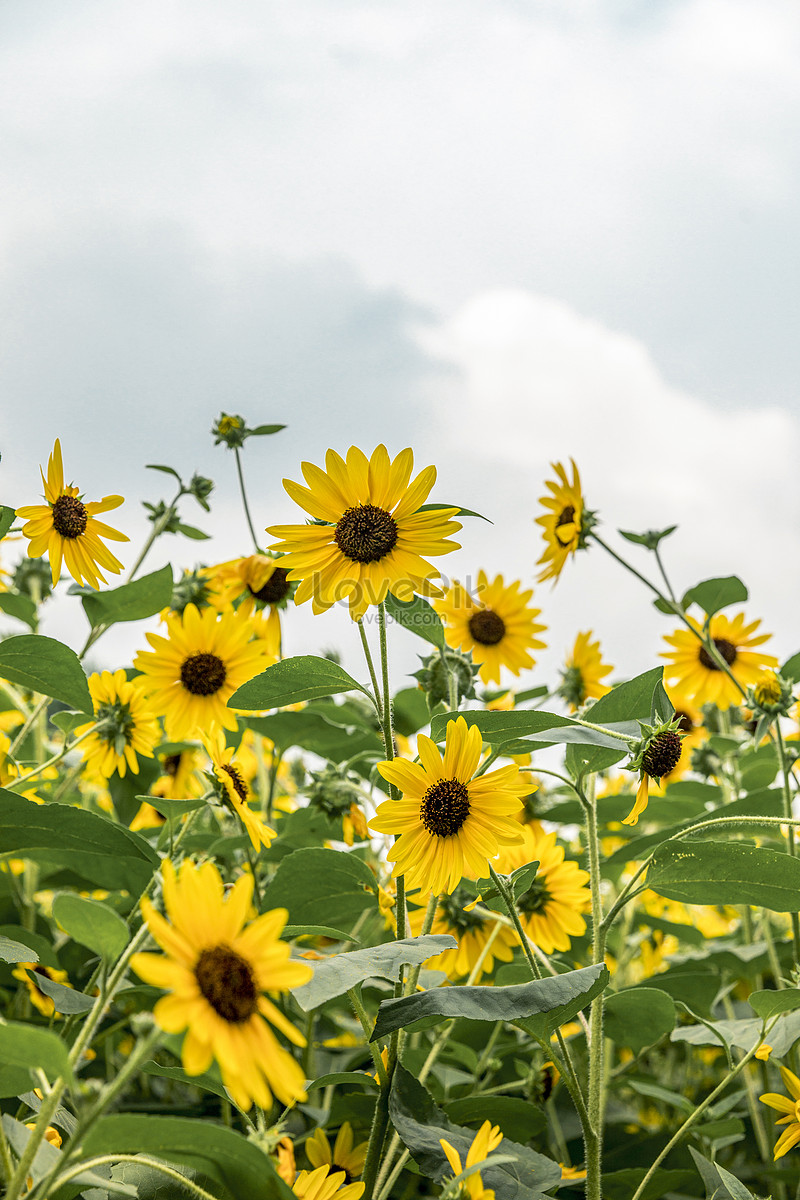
{"x":501,"y":233}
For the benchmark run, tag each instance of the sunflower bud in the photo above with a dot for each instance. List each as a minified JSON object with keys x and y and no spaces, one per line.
{"x":191,"y":588}
{"x":29,"y":570}
{"x":435,"y":674}
{"x":771,"y":695}
{"x":230,"y":429}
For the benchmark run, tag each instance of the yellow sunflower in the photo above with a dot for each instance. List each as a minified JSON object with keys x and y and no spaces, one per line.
{"x":236,"y":791}
{"x":791,"y":1110}
{"x":692,"y":669}
{"x":369,"y":531}
{"x":180,"y":778}
{"x":584,"y":672}
{"x":471,"y":930}
{"x":487,"y":1139}
{"x":343,"y":1157}
{"x":66,"y":527}
{"x":190,"y":675}
{"x":251,"y":585}
{"x":498,"y":625}
{"x":217,"y":969}
{"x":126,"y":726}
{"x":565,"y":523}
{"x":448,"y":824}
{"x":321,"y":1184}
{"x":551,"y":908}
{"x":39,"y":999}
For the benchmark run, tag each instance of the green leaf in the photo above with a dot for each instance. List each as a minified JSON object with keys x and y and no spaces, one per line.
{"x":172,"y":808}
{"x":629,"y":701}
{"x":650,"y":539}
{"x":719,"y":1183}
{"x":66,"y":1000}
{"x":7,"y":517}
{"x":638,"y":1016}
{"x":359,"y":1078}
{"x":460,"y":512}
{"x":713,"y":594}
{"x":47,"y":666}
{"x":48,"y":1157}
{"x":336,"y":975}
{"x":419,"y":617}
{"x":697,"y":872}
{"x":312,"y":882}
{"x":15,"y":952}
{"x":291,"y":932}
{"x":501,"y":728}
{"x":769,"y":1003}
{"x":654,"y":1091}
{"x":166,"y":470}
{"x":91,"y":923}
{"x":66,"y":721}
{"x":410,"y":711}
{"x":16,"y":605}
{"x":263,"y":430}
{"x":519,"y":1119}
{"x":316,"y":732}
{"x":421,"y":1125}
{"x":221,"y":1153}
{"x":293,"y":680}
{"x":31,"y":1046}
{"x":621,"y":1185}
{"x":92,"y":846}
{"x":207,"y":1082}
{"x":791,"y":668}
{"x":191,"y":531}
{"x":131,"y":602}
{"x":538,"y":1007}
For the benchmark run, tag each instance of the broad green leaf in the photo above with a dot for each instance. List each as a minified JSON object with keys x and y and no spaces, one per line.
{"x":714,"y":594}
{"x":655,"y":1091}
{"x":14,"y":1081}
{"x":47,"y":666}
{"x":698,"y":989}
{"x":726,"y":873}
{"x":769,"y":1003}
{"x":538,"y":1007}
{"x":91,"y":923}
{"x":359,"y":1078}
{"x":66,"y":1000}
{"x":313,"y":882}
{"x":131,"y":602}
{"x":638,"y":1016}
{"x":621,"y":1185}
{"x":718,"y":1182}
{"x":410,"y":711}
{"x":172,"y":808}
{"x":15,"y":952}
{"x":207,"y":1082}
{"x":318,"y":733}
{"x":629,"y":701}
{"x":191,"y":531}
{"x":744,"y":1033}
{"x":526,"y":725}
{"x":22,"y":607}
{"x":218,"y":1152}
{"x":95,"y":848}
{"x":791,"y":668}
{"x":66,"y":721}
{"x":336,"y":975}
{"x":290,"y":932}
{"x":47,"y":1157}
{"x":291,"y":681}
{"x":31,"y":1046}
{"x":419,"y":617}
{"x":7,"y":517}
{"x":519,"y":1120}
{"x":421,"y":1125}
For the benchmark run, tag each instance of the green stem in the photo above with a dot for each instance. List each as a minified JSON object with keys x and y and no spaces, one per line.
{"x":594,"y":1144}
{"x":791,"y":844}
{"x":371,"y":665}
{"x":243,"y":490}
{"x":427,"y":923}
{"x":18,"y":1181}
{"x":6,"y":1160}
{"x":22,"y":733}
{"x":65,"y":749}
{"x":367,"y":1026}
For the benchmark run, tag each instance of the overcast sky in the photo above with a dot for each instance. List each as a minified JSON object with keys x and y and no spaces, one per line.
{"x":499,"y":232}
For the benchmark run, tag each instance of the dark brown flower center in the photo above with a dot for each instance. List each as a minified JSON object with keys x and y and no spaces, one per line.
{"x":275,"y":589}
{"x":535,"y":899}
{"x":203,"y":674}
{"x":566,"y":517}
{"x":725,"y":649}
{"x":445,"y":807}
{"x":486,"y":627}
{"x":237,"y":779}
{"x":171,"y":764}
{"x":686,"y":723}
{"x":662,"y":755}
{"x":228,"y":984}
{"x":69,"y":516}
{"x":366,"y":533}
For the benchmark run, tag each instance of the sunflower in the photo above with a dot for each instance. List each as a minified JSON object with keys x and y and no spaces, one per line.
{"x":448,"y":823}
{"x":217,"y":967}
{"x":498,"y":625}
{"x":584,"y":671}
{"x":254,"y":584}
{"x":67,"y":528}
{"x":233,"y":786}
{"x":565,"y":524}
{"x":791,"y":1110}
{"x":190,"y":675}
{"x":39,"y":999}
{"x":126,"y":725}
{"x":693,"y":733}
{"x":368,"y":532}
{"x":692,"y":669}
{"x":322,"y":1185}
{"x":343,"y":1157}
{"x":551,"y":907}
{"x":180,"y":778}
{"x":472,"y":932}
{"x":487,"y":1139}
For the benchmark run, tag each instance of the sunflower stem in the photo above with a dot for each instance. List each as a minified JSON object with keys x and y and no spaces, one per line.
{"x":376,"y":699}
{"x":246,"y":506}
{"x":64,"y":750}
{"x":594,"y":1144}
{"x":367,"y":1026}
{"x":791,"y":844}
{"x":427,"y":924}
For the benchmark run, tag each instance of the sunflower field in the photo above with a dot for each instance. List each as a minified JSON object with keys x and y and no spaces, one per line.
{"x":272,"y":929}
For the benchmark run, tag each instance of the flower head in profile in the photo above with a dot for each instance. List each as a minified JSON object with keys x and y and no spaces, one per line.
{"x":234,"y":789}
{"x":550,"y":909}
{"x":565,"y":522}
{"x":190,"y":675}
{"x":700,"y":677}
{"x":217,"y":968}
{"x":66,"y":528}
{"x":254,"y":584}
{"x":369,"y":531}
{"x":343,"y":1156}
{"x":655,"y":756}
{"x":790,"y":1108}
{"x":126,"y":726}
{"x":450,"y":821}
{"x":487,"y":1139}
{"x":584,"y":672}
{"x":498,"y":625}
